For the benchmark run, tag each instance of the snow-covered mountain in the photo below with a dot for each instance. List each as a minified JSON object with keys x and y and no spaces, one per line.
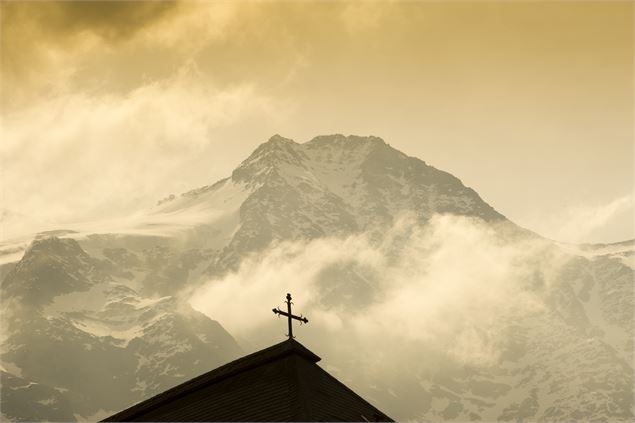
{"x":97,"y":316}
{"x":81,"y":340}
{"x":329,"y":186}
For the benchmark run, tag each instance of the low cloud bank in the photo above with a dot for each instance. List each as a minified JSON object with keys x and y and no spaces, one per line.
{"x":449,"y":288}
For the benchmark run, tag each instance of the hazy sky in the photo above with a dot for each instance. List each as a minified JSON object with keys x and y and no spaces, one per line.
{"x":108,"y":107}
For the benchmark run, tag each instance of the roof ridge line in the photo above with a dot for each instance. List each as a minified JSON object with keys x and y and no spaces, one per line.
{"x":223,"y":372}
{"x":354,"y":393}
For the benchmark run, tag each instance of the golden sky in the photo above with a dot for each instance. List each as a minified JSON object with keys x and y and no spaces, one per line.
{"x":107,"y":107}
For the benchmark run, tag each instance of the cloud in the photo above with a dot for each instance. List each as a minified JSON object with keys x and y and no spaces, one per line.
{"x":42,"y":41}
{"x":612,"y":221}
{"x":61,"y":53}
{"x":54,"y":47}
{"x":420,"y":308}
{"x":109,"y":20}
{"x":449,"y":288}
{"x":77,"y":156}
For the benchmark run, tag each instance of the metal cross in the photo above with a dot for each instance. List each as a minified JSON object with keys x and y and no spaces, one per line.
{"x":290,"y":316}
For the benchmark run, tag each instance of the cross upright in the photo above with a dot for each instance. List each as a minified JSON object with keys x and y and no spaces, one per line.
{"x":290,"y":316}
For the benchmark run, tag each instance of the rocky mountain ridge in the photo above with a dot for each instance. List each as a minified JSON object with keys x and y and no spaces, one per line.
{"x":96,"y":319}
{"x":331,"y":185}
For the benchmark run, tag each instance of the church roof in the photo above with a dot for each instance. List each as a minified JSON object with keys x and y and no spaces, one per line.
{"x":280,"y":383}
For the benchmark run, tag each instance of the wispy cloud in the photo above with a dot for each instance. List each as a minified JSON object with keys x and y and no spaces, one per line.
{"x":78,"y":156}
{"x":608,"y":222}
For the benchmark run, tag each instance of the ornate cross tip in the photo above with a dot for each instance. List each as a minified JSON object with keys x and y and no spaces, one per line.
{"x":290,"y":316}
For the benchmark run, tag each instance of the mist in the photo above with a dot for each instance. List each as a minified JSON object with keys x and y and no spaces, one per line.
{"x":414,"y":298}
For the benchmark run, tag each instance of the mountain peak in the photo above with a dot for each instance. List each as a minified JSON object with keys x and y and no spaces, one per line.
{"x":278,"y":152}
{"x":344,"y":140}
{"x":266,"y":157}
{"x":50,"y":267}
{"x":53,"y":245}
{"x":279,"y":139}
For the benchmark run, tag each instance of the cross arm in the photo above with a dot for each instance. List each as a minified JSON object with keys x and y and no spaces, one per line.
{"x":284,"y":313}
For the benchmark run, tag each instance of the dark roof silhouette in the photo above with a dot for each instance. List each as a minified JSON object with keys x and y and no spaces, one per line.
{"x":280,"y":383}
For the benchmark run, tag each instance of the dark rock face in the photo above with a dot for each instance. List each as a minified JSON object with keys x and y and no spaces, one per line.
{"x":51,"y":267}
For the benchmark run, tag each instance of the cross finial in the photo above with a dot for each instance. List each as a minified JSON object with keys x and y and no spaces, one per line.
{"x":290,"y":316}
